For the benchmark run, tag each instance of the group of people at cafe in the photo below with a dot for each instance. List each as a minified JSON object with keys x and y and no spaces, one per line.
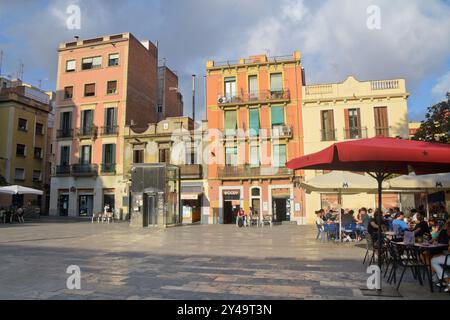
{"x":424,"y":230}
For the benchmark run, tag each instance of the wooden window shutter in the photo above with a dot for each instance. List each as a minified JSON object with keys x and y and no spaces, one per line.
{"x":347,"y":124}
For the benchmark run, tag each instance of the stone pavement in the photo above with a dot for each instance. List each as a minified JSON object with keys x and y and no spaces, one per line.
{"x":190,"y":262}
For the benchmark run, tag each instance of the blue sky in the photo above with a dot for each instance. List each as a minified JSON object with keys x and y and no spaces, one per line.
{"x":412,"y":42}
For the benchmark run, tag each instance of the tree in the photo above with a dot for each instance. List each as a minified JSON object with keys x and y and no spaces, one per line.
{"x":436,"y":126}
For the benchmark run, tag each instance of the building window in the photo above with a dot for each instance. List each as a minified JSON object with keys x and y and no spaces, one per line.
{"x":65,"y":156}
{"x":20,"y":150}
{"x":19,"y":174}
{"x":66,"y":124}
{"x":111,"y":87}
{"x":254,"y":157}
{"x":230,"y":88}
{"x":109,"y":158}
{"x":70,"y":65}
{"x":164,"y":155}
{"x":68,"y":92}
{"x":254,"y":122}
{"x":276,"y":82}
{"x":327,"y":121}
{"x":231,"y":156}
{"x":381,"y":121}
{"x":39,"y":129}
{"x":89,"y":90}
{"x":277,"y":115}
{"x":110,"y":121}
{"x":22,"y":124}
{"x":352,"y":124}
{"x":85,"y":155}
{"x":113,"y":60}
{"x":279,"y":155}
{"x":38,"y":153}
{"x":87,"y":122}
{"x":37,"y":175}
{"x":91,"y":63}
{"x":160,"y":108}
{"x":230,"y":123}
{"x":138,"y":156}
{"x":253,"y":87}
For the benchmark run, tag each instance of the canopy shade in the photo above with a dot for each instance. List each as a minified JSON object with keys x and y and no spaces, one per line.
{"x":412,"y":182}
{"x":20,"y":190}
{"x":344,"y":182}
{"x":379,"y":154}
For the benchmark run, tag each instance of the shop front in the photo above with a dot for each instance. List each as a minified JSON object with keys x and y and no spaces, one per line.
{"x":191,"y":201}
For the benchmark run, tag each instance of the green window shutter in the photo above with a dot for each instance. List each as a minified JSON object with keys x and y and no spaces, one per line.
{"x":230,"y":122}
{"x":277,"y":114}
{"x":254,"y":122}
{"x":104,"y":153}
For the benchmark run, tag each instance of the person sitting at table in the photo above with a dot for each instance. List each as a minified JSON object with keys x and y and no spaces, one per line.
{"x":347,"y":217}
{"x":421,"y":229}
{"x":329,"y":215}
{"x":400,"y":223}
{"x":374,"y":226}
{"x":437,"y":262}
{"x":435,"y":229}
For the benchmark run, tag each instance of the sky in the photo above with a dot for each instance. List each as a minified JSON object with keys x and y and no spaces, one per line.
{"x":404,"y":38}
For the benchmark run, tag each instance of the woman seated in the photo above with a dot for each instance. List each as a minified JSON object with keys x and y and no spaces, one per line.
{"x":421,"y":229}
{"x":438,"y":261}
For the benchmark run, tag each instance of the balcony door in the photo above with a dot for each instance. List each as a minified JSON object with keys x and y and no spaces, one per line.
{"x":87,"y":121}
{"x":66,"y":122}
{"x":85,"y":158}
{"x":327,"y":120}
{"x":353,"y":124}
{"x":230,"y":88}
{"x":253,"y":87}
{"x":109,"y":157}
{"x":65,"y":156}
{"x":381,"y":121}
{"x":110,"y":120}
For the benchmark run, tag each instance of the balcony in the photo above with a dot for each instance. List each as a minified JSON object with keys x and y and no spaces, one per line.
{"x":62,"y":170}
{"x":109,"y":131}
{"x":281,"y":131}
{"x":355,"y":133}
{"x":247,"y":171}
{"x":109,"y":168}
{"x":87,"y":132}
{"x":328,"y":135}
{"x":255,"y":98}
{"x":382,"y":131}
{"x":84,"y":170}
{"x":191,"y":171}
{"x":64,"y":134}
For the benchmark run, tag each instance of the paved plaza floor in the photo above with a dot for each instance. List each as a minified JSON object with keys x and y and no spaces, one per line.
{"x":189,"y":262}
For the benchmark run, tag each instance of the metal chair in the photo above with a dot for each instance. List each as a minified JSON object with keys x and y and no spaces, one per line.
{"x":445,"y":267}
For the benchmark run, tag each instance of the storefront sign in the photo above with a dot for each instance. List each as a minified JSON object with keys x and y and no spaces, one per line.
{"x":189,"y":196}
{"x":231,"y":195}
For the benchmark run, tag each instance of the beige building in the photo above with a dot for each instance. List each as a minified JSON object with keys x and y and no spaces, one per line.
{"x":174,"y":141}
{"x":350,"y":110}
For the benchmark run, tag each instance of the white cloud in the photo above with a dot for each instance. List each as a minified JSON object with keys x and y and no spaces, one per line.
{"x":441,"y":88}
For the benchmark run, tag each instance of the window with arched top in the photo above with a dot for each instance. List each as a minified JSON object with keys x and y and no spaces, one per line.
{"x":256,"y":192}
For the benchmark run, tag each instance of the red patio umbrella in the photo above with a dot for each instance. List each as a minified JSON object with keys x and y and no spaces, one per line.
{"x":379,"y":157}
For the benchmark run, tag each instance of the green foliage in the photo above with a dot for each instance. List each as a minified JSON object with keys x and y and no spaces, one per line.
{"x":436,"y":126}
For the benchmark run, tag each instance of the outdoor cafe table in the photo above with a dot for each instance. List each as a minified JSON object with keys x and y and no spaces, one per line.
{"x":425,"y":247}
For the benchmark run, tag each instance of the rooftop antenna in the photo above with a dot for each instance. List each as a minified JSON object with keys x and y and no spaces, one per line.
{"x":20,"y":70}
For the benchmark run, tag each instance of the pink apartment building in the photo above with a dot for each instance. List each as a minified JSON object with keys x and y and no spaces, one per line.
{"x":103,"y":85}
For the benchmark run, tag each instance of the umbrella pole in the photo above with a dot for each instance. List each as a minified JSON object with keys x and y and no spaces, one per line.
{"x":380,"y":178}
{"x":340,"y":214}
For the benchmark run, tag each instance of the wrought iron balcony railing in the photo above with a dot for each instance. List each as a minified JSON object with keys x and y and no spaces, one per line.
{"x":254,"y":97}
{"x":63,"y":170}
{"x":248,"y":171}
{"x":328,"y":135}
{"x":87,"y":132}
{"x":86,"y":170}
{"x":191,"y":171}
{"x":355,"y":133}
{"x":382,"y":131}
{"x":64,"y":133}
{"x":109,"y":130}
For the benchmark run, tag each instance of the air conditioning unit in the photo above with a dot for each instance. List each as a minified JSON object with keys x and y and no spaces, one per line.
{"x":222,"y":99}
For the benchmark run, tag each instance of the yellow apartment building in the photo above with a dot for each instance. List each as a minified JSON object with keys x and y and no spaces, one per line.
{"x":350,"y":110}
{"x":24,"y":113}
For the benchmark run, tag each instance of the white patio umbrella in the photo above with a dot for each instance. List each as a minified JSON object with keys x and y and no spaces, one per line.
{"x":439,"y":181}
{"x":20,"y":190}
{"x":342,"y":182}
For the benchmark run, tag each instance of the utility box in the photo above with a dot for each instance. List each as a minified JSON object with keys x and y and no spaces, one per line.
{"x":155,"y":195}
